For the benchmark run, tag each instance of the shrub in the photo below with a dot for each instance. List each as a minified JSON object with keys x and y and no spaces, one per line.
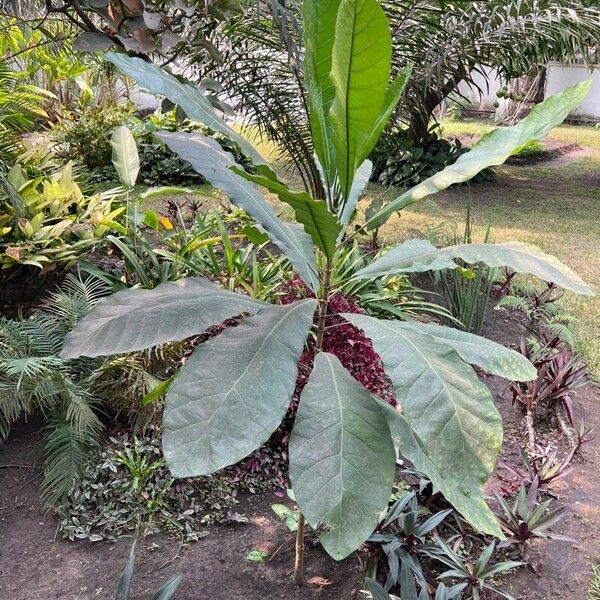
{"x":84,"y":136}
{"x":397,"y":161}
{"x":47,"y":222}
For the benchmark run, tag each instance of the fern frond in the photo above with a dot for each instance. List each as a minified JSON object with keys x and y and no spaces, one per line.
{"x":514,"y":303}
{"x":562,"y":331}
{"x":67,"y":450}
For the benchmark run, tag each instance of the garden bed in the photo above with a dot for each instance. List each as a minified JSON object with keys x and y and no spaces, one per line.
{"x":36,"y":564}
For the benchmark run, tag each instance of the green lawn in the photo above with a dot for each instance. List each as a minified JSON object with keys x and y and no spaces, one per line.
{"x":555,"y":207}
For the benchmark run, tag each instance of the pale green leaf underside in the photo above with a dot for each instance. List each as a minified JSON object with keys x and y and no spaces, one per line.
{"x":322,"y":226}
{"x":341,"y":457}
{"x":460,"y":489}
{"x":492,"y":150}
{"x":192,"y":102}
{"x":208,"y":158}
{"x":360,"y":70}
{"x":138,"y":319}
{"x":416,"y":256}
{"x":493,"y":358}
{"x":125,"y":156}
{"x":444,"y":402}
{"x":234,"y":390}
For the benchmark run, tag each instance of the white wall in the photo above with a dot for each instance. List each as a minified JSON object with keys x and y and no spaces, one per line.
{"x":490,"y":84}
{"x":559,"y":77}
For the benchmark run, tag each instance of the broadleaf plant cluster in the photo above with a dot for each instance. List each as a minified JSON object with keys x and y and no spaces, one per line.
{"x":235,"y":389}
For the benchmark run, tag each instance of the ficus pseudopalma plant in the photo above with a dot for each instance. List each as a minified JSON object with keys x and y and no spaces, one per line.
{"x":235,"y":389}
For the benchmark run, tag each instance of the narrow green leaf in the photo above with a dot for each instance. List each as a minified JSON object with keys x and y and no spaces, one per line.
{"x":492,"y":150}
{"x":208,"y":158}
{"x":164,"y":190}
{"x":195,"y":105}
{"x":447,"y":407}
{"x":167,"y":591}
{"x":158,"y":391}
{"x":137,"y":319}
{"x":416,"y":256}
{"x":493,"y":358}
{"x":319,"y":18}
{"x":361,"y":180}
{"x":125,"y":156}
{"x":322,"y":226}
{"x":124,"y":585}
{"x":360,"y":71}
{"x":234,"y":390}
{"x":341,"y":457}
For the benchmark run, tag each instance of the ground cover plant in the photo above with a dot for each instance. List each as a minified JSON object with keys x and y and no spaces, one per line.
{"x":340,"y":427}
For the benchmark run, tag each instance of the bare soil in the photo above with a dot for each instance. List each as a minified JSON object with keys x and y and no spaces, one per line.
{"x":35,"y":564}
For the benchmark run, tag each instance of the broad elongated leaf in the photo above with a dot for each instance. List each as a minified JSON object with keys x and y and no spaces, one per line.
{"x":416,"y":256}
{"x":476,"y":350}
{"x":341,"y":457}
{"x":234,"y":390}
{"x":460,"y":489}
{"x":137,"y":319}
{"x":361,"y":179}
{"x":192,"y":102}
{"x":319,"y":18}
{"x":125,"y":157}
{"x":390,"y":102}
{"x":322,"y":226}
{"x":211,"y":161}
{"x":445,"y":404}
{"x":492,"y":150}
{"x":360,"y":71}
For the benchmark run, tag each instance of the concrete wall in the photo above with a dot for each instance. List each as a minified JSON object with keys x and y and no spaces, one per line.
{"x":558,"y":78}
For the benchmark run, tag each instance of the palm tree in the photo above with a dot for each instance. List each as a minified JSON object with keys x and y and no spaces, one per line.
{"x":447,"y":42}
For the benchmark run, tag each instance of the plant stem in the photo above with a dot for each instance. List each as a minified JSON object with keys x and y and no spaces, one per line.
{"x":321,"y":323}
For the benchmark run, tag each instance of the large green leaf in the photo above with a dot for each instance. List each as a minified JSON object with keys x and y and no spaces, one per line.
{"x":460,"y":489}
{"x":318,"y":20}
{"x":322,"y":225}
{"x":341,"y":457}
{"x":125,"y":155}
{"x":492,"y":150}
{"x":444,"y":402}
{"x":196,"y":106}
{"x":416,"y":256}
{"x":390,"y":102}
{"x":234,"y":390}
{"x":137,"y":319}
{"x":210,"y":160}
{"x":493,"y":358}
{"x":360,"y":71}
